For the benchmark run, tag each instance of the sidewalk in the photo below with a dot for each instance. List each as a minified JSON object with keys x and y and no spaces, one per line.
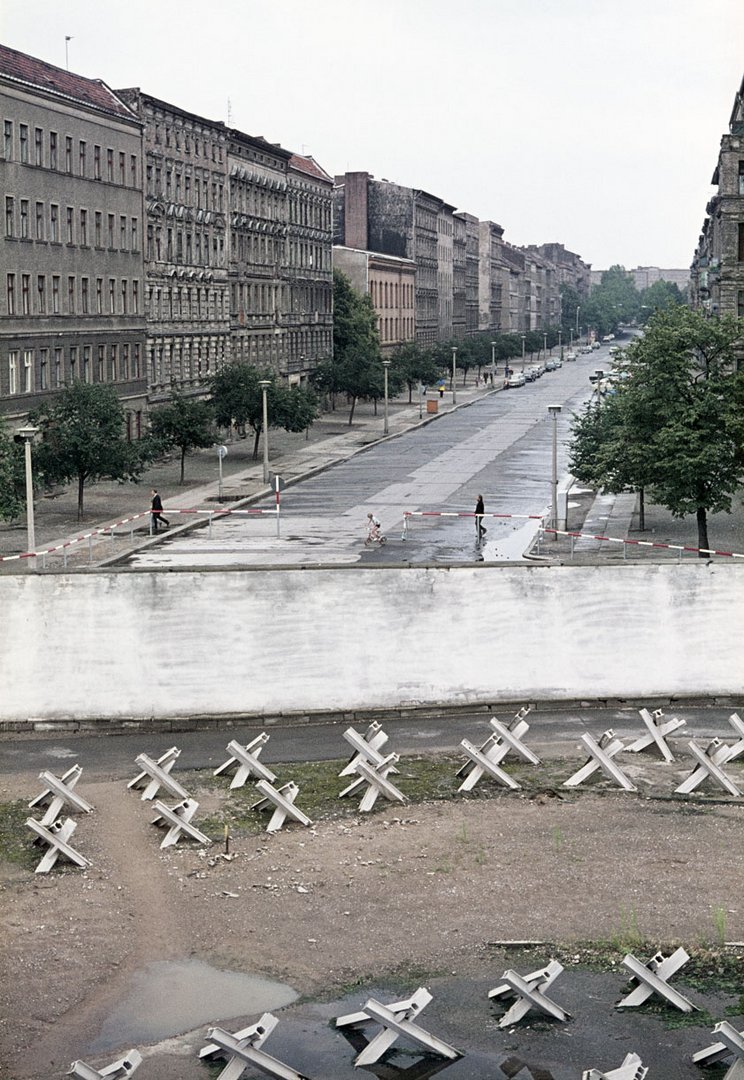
{"x":291,"y":455}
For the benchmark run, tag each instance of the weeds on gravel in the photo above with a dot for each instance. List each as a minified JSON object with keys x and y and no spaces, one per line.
{"x":627,"y":936}
{"x":15,"y":839}
{"x":720,"y":922}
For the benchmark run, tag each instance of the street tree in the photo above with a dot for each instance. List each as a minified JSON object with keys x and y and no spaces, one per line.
{"x":615,"y":300}
{"x":11,"y":477}
{"x":185,"y":423}
{"x":675,"y":426}
{"x":83,"y":438}
{"x":415,"y":366}
{"x":660,"y":295}
{"x":237,"y":400}
{"x":356,"y":367}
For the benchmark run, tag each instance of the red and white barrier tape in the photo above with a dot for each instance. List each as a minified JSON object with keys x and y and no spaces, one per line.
{"x":644,"y":543}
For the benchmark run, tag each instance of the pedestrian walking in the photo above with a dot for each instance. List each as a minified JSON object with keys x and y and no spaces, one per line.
{"x":156,"y":509}
{"x":480,"y":529}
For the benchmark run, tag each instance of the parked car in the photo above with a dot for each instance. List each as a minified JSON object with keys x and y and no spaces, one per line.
{"x":517,"y":379}
{"x":570,"y":355}
{"x":531,"y":374}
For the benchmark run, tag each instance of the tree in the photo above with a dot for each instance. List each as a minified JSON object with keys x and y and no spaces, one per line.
{"x":12,"y":477}
{"x":415,"y":366}
{"x":675,"y":426}
{"x":83,"y":438}
{"x":356,"y":367}
{"x":660,"y":295}
{"x":615,"y":300}
{"x":237,"y":399}
{"x":185,"y":423}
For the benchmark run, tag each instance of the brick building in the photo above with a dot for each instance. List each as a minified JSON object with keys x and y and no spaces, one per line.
{"x":72,"y":300}
{"x":390,"y":283}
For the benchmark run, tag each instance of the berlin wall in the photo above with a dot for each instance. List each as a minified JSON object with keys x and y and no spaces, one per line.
{"x":179,"y":644}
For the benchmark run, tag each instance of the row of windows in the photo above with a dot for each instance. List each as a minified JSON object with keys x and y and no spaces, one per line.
{"x":33,"y":370}
{"x":387,"y":294}
{"x":270,"y":348}
{"x":54,"y":224}
{"x":43,"y":294}
{"x":186,"y":359}
{"x":390,"y":329}
{"x":186,"y":304}
{"x":173,"y":136}
{"x":34,"y":146}
{"x":184,"y":189}
{"x":268,"y":299}
{"x":191,"y":249}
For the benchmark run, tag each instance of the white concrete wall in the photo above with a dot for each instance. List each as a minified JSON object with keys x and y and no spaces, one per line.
{"x":179,"y":644}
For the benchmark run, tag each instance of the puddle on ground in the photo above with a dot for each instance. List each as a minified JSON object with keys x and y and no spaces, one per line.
{"x":171,"y":997}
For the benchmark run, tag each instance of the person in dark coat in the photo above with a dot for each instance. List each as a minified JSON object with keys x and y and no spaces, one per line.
{"x":480,"y":510}
{"x":156,"y":508}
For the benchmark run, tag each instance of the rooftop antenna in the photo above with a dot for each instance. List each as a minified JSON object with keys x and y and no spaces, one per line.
{"x":229,"y":113}
{"x":68,"y":39}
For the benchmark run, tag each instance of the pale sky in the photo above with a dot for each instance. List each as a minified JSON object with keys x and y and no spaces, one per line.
{"x":594,"y":123}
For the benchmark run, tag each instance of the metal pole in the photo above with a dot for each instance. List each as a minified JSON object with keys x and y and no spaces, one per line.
{"x":219,"y":490}
{"x":554,"y":410}
{"x":560,"y":342}
{"x":454,"y":375}
{"x":523,"y":341}
{"x":265,"y":384}
{"x":421,"y":399}
{"x":385,"y":426}
{"x":30,"y":529}
{"x":493,"y":362}
{"x":578,"y":309}
{"x":276,"y":485}
{"x":545,"y":344}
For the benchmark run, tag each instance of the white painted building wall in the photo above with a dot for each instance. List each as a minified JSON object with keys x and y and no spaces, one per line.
{"x":281,"y":641}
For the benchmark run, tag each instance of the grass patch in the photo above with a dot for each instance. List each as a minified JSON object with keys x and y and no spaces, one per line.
{"x":16,"y":841}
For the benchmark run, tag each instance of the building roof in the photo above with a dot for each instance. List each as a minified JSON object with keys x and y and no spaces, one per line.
{"x":29,"y":71}
{"x":307,"y":164}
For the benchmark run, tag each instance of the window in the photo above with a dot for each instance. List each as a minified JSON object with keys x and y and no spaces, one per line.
{"x":741,"y":177}
{"x":8,"y":140}
{"x":71,"y":295}
{"x":11,"y":294}
{"x":114,"y":363}
{"x":124,"y":298}
{"x":83,"y":228}
{"x":52,"y":149}
{"x":25,"y":291}
{"x":58,"y":367}
{"x":99,"y":296}
{"x":122,"y":167}
{"x":68,"y":154}
{"x":38,"y":146}
{"x":133,"y":170}
{"x":84,"y":298}
{"x":43,"y":369}
{"x":136,"y":362}
{"x":55,"y":294}
{"x":110,"y":164}
{"x":740,"y":253}
{"x":97,"y":227}
{"x":122,"y":233}
{"x":81,"y":166}
{"x":96,"y":163}
{"x":87,"y":366}
{"x":111,"y":230}
{"x":23,"y":136}
{"x":73,"y":363}
{"x":9,"y":215}
{"x":112,"y":296}
{"x":101,"y":365}
{"x":24,"y":219}
{"x":740,"y":304}
{"x":70,"y":226}
{"x":125,"y":361}
{"x":28,"y":371}
{"x":41,"y":294}
{"x":54,"y":223}
{"x":13,"y":372}
{"x":40,"y":221}
{"x":135,"y":297}
{"x":135,"y":238}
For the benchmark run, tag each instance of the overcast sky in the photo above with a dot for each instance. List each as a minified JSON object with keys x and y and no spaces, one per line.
{"x":595,"y":123}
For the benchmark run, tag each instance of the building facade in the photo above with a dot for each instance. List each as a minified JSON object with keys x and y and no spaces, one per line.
{"x":390,"y":283}
{"x":472,"y":269}
{"x":490,"y":277}
{"x":185,"y":192}
{"x":72,"y":302}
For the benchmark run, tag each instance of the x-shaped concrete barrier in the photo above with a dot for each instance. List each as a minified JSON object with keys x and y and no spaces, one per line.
{"x":366,"y":747}
{"x":244,"y":759}
{"x":632,"y":1068}
{"x":243,"y":1048}
{"x":177,"y":819}
{"x":710,"y":761}
{"x":731,"y":1043}
{"x":57,"y":838}
{"x":600,"y":757}
{"x":396,"y":1019}
{"x":657,"y":732}
{"x":155,"y":774}
{"x":652,"y":978}
{"x":58,"y":793}
{"x":282,"y":799}
{"x":119,"y":1070}
{"x":530,"y":992}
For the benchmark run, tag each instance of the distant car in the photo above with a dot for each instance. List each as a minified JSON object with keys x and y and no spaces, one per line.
{"x":570,"y":355}
{"x":551,"y":365}
{"x":517,"y":379}
{"x":596,"y":345}
{"x":531,"y":374}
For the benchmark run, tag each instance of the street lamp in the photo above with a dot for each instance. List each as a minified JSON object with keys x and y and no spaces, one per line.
{"x":454,"y":375}
{"x":265,"y":384}
{"x":545,"y":344}
{"x":28,"y":433}
{"x":524,"y":338}
{"x":560,"y":342}
{"x":554,"y":410}
{"x":385,"y":366}
{"x":578,"y":309}
{"x":493,"y":363}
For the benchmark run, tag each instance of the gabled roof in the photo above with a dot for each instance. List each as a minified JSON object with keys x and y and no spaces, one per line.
{"x":28,"y":71}
{"x":307,"y":164}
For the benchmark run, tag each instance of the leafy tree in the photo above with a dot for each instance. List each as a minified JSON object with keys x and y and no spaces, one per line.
{"x":675,"y":426}
{"x":185,"y":423}
{"x":414,"y":365}
{"x":12,"y":477}
{"x":83,"y":438}
{"x":660,"y":295}
{"x":356,"y":367}
{"x":237,"y":399}
{"x":616,"y":300}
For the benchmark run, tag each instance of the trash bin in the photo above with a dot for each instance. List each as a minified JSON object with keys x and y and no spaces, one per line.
{"x":432,"y":405}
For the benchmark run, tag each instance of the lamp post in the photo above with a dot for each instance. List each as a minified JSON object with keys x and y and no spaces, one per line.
{"x":385,"y":366}
{"x":578,"y":309}
{"x":560,"y":344}
{"x":454,"y":374}
{"x":493,"y":363}
{"x":265,"y":384}
{"x":554,"y":410}
{"x":28,"y":433}
{"x":524,"y":338}
{"x":545,"y":344}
